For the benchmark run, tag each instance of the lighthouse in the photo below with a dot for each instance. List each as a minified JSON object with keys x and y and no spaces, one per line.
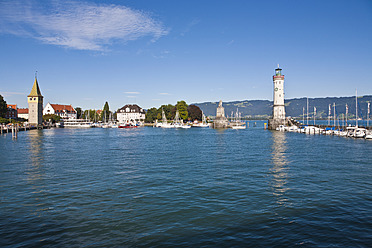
{"x":278,"y":117}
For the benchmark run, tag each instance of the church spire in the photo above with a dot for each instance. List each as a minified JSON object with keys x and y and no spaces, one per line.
{"x":35,"y":88}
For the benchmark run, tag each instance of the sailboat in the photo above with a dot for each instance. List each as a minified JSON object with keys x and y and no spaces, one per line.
{"x":238,"y":124}
{"x":178,"y":122}
{"x":164,"y":123}
{"x":356,"y":132}
{"x":201,"y":124}
{"x":105,"y":124}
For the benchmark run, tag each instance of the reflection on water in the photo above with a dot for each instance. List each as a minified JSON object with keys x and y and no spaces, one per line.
{"x":35,"y":138}
{"x":278,"y":171}
{"x":35,"y":171}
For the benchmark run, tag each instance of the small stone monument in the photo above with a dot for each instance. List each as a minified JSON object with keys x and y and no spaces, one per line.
{"x":220,"y":121}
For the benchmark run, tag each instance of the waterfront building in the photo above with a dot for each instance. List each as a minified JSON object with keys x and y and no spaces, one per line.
{"x":23,"y":113}
{"x":278,"y":117}
{"x":130,"y":113}
{"x":220,"y":121}
{"x":35,"y":105}
{"x":11,"y":111}
{"x":63,"y":111}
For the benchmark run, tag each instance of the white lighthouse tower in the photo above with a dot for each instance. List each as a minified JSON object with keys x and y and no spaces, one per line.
{"x":278,"y":117}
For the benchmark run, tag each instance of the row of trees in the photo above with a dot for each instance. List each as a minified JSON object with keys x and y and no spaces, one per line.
{"x":92,"y":114}
{"x":187,"y":112}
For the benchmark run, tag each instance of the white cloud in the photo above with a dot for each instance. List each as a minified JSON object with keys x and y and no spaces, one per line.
{"x":8,"y":94}
{"x":166,"y":94}
{"x":77,"y":25}
{"x":133,"y":92}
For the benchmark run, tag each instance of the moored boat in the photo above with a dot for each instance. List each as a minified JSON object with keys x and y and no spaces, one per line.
{"x":127,"y":125}
{"x":77,"y":123}
{"x":368,"y":134}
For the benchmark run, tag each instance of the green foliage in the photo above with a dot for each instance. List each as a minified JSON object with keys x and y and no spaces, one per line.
{"x":182,"y":109}
{"x":169,"y":111}
{"x":90,"y":115}
{"x":53,"y":118}
{"x":3,"y":107}
{"x":78,"y":112}
{"x":4,"y":121}
{"x":151,"y":115}
{"x":105,"y":112}
{"x":194,"y":112}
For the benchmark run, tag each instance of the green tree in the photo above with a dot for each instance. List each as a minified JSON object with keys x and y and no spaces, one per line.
{"x":169,"y":111}
{"x":89,"y":114}
{"x":182,"y":109}
{"x":105,"y":112}
{"x":3,"y":107}
{"x":53,"y":118}
{"x":151,"y":115}
{"x":78,"y":112}
{"x":194,"y":112}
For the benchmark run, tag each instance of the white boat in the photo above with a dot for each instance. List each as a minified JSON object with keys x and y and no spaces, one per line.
{"x":201,"y":124}
{"x":356,"y":132}
{"x":359,"y":133}
{"x":77,"y":123}
{"x":106,"y":125}
{"x":239,"y":127}
{"x":164,"y":123}
{"x":60,"y":124}
{"x":282,"y":128}
{"x":343,"y":133}
{"x":178,"y":122}
{"x":237,"y":123}
{"x":368,"y":134}
{"x":293,"y":129}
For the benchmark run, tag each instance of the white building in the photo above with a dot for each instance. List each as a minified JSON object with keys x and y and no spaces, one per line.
{"x":130,"y":113}
{"x":23,"y":113}
{"x":64,"y":111}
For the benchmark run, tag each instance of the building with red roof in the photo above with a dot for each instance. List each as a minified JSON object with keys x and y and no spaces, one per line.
{"x":23,"y":113}
{"x":11,"y":112}
{"x":64,"y":111}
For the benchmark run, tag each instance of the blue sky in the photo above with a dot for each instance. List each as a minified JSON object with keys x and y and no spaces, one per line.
{"x":157,"y":52}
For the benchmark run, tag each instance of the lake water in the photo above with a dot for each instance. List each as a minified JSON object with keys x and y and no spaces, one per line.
{"x":153,"y":187}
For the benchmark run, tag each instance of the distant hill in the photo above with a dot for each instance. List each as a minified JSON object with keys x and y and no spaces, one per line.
{"x":263,"y":108}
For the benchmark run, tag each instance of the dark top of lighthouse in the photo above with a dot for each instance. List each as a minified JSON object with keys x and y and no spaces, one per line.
{"x":278,"y":71}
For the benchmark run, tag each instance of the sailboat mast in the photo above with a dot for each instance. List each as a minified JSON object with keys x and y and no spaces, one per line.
{"x":334,"y":114}
{"x":329,"y":114}
{"x":303,"y":115}
{"x":368,"y":112}
{"x":356,"y":107}
{"x":307,"y":111}
{"x":347,"y":112}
